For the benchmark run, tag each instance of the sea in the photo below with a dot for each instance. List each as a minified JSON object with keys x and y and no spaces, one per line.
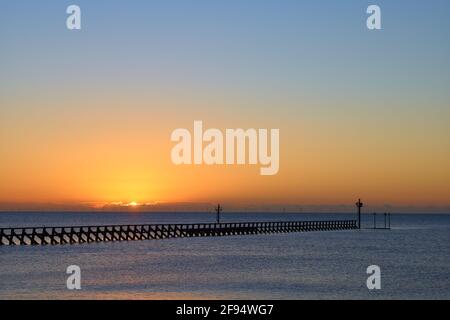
{"x":413,"y":258}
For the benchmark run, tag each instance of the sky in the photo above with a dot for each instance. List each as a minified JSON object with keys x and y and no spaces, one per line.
{"x":86,"y":115}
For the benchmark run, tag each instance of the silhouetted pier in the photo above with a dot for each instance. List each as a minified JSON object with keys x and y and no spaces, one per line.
{"x":89,"y":234}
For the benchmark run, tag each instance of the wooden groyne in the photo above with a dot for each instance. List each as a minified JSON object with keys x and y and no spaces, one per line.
{"x":89,"y":234}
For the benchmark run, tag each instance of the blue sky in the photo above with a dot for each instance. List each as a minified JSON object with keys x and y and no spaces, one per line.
{"x":275,"y":45}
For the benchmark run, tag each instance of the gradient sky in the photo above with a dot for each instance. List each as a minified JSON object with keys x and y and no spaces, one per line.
{"x":86,"y":116}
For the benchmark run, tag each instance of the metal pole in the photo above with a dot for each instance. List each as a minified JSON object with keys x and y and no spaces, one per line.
{"x":218,"y":209}
{"x":359,"y":205}
{"x":218,"y":214}
{"x":359,"y":217}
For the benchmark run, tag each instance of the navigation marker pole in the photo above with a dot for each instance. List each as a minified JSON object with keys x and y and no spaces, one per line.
{"x":218,"y":210}
{"x":359,"y":205}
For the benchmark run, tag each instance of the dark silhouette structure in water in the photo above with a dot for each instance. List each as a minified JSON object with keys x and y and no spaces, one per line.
{"x":89,"y":234}
{"x":387,"y":218}
{"x":218,"y":211}
{"x":359,"y":205}
{"x":387,"y":221}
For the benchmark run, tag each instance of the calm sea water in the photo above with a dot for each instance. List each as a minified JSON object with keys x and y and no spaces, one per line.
{"x":414,"y":258}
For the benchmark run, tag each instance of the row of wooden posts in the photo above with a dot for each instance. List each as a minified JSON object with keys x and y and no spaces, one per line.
{"x":88,"y":234}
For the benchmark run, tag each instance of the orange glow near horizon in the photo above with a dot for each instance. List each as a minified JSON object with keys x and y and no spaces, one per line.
{"x":111,"y":159}
{"x":118,"y":150}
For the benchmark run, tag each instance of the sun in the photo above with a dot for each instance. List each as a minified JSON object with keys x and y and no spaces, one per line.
{"x":133,"y":204}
